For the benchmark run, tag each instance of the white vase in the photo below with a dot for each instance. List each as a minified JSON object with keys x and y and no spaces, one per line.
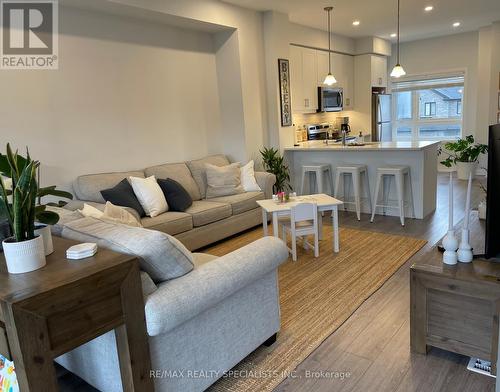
{"x":46,"y":234}
{"x":24,"y":256}
{"x":465,"y":168}
{"x":482,"y":210}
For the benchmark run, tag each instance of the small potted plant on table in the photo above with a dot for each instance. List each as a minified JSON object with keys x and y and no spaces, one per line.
{"x":464,"y":153}
{"x":25,"y":250}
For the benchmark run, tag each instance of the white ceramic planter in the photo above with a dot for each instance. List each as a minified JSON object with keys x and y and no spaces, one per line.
{"x":465,"y":168}
{"x":46,"y":234}
{"x":25,"y":256}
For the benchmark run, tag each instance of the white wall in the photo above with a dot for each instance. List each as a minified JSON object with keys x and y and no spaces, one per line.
{"x":127,"y":95}
{"x":449,"y":53}
{"x":251,"y":57}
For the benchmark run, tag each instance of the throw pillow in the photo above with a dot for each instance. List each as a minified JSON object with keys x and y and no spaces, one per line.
{"x":248,"y":181}
{"x":123,"y":195}
{"x":119,"y":214}
{"x":162,"y":256}
{"x":223,"y":180}
{"x":178,"y":199}
{"x":91,"y":211}
{"x":150,"y":195}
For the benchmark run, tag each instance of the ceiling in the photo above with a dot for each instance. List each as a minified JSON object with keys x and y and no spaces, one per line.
{"x":378,"y":17}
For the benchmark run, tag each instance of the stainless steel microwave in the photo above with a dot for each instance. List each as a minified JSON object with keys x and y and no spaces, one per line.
{"x":330,"y":99}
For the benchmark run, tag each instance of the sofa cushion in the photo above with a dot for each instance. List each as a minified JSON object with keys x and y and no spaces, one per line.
{"x":205,"y":212}
{"x":65,"y":216}
{"x":202,"y":258}
{"x":178,"y":198}
{"x":223,"y":180}
{"x":148,"y":286}
{"x":162,"y":256}
{"x":241,"y":202}
{"x":170,"y":222}
{"x":178,"y":172}
{"x":89,"y":187}
{"x":197,"y":169}
{"x":123,"y":195}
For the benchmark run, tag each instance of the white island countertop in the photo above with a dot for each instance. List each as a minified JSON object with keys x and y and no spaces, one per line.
{"x":320,"y":145}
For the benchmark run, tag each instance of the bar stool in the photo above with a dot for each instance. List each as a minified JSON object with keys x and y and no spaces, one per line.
{"x":318,"y":171}
{"x":355,"y":172}
{"x":400,"y":173}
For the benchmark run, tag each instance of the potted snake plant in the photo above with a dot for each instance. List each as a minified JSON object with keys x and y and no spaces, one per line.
{"x":24,"y":250}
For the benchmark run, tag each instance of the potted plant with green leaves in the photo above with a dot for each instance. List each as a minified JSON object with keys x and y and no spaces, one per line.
{"x":25,"y":250}
{"x":464,"y":153}
{"x":274,"y":163}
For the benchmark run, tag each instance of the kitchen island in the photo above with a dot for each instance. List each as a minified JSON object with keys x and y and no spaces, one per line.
{"x":421,"y":157}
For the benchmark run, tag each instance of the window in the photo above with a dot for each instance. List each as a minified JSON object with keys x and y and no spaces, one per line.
{"x":428,"y":108}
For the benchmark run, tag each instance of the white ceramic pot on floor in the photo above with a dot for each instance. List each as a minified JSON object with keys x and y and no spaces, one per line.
{"x":465,"y":168}
{"x":25,"y":256}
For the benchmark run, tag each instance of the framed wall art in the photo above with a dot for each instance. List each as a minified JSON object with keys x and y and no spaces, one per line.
{"x":285,"y":98}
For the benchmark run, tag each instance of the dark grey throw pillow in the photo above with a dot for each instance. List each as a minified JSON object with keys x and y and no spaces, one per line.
{"x":178,"y":198}
{"x":123,"y":195}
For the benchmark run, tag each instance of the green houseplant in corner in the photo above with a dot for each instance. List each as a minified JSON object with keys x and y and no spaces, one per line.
{"x":464,"y":153}
{"x":25,"y":250}
{"x":274,"y":163}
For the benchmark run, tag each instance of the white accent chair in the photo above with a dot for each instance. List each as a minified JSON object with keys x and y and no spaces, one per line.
{"x":303,"y":221}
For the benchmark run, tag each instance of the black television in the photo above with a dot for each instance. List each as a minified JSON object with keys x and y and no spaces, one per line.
{"x":492,"y":244}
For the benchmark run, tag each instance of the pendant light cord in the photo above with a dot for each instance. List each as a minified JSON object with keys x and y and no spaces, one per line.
{"x":328,"y":10}
{"x":398,"y":28}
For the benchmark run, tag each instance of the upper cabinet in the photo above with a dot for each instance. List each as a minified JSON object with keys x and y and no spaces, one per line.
{"x":379,"y":71}
{"x":303,"y":66}
{"x":308,"y":68}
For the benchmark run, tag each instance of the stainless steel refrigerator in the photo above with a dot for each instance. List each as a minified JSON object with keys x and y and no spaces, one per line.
{"x":381,"y":117}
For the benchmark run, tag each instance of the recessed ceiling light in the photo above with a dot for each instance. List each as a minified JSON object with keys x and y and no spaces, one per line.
{"x":356,"y":23}
{"x":456,"y":24}
{"x":394,"y":35}
{"x":428,"y":8}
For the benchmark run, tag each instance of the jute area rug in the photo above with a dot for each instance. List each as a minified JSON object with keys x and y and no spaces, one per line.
{"x":316,"y":297}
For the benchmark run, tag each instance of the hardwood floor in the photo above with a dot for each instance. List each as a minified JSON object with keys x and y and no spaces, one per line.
{"x":373,"y":345}
{"x":371,"y":350}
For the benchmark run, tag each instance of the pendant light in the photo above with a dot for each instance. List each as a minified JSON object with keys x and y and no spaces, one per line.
{"x":398,"y":70}
{"x":329,"y":79}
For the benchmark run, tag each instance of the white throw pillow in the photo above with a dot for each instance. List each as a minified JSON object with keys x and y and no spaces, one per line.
{"x":150,"y":195}
{"x":248,"y":178}
{"x":90,"y":211}
{"x":119,"y":214}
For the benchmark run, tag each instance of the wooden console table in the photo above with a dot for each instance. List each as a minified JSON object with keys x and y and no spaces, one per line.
{"x":48,"y":312}
{"x":456,"y":308}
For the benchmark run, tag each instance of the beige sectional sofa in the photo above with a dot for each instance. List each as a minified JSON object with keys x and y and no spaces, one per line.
{"x":206,"y":221}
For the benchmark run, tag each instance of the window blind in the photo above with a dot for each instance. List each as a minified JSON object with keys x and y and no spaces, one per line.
{"x":428,"y":83}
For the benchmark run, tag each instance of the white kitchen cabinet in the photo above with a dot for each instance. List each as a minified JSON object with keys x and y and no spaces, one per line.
{"x":303,"y":79}
{"x":308,"y":68}
{"x":379,"y":71}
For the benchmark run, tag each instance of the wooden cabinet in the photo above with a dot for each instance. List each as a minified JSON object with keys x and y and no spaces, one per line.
{"x":308,"y":68}
{"x":456,"y":307}
{"x":379,"y":71}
